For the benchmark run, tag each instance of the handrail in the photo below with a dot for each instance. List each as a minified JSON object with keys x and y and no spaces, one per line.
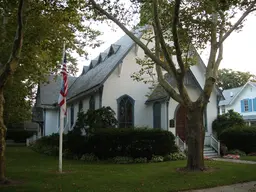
{"x":217,"y":142}
{"x":178,"y":141}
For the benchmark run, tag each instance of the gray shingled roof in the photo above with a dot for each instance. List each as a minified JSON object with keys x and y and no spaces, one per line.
{"x":93,"y":75}
{"x":49,"y":92}
{"x":228,"y":95}
{"x":159,"y":92}
{"x":99,"y":73}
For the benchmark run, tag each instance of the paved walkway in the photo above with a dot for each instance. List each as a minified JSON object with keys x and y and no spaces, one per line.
{"x":241,"y":187}
{"x":235,"y":161}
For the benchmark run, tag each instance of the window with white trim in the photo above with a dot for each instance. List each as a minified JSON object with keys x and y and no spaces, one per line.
{"x":246,"y":105}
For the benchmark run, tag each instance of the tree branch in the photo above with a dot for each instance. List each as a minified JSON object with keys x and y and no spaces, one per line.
{"x":220,"y":54}
{"x":168,"y":88}
{"x":9,"y":68}
{"x":131,"y":35}
{"x":239,"y":21}
{"x":159,"y":33}
{"x":176,"y":37}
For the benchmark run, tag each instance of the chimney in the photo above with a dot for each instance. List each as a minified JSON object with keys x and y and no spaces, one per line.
{"x":231,"y":94}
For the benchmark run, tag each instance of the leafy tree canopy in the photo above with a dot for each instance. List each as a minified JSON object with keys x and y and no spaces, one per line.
{"x":228,"y":78}
{"x":47,"y":25}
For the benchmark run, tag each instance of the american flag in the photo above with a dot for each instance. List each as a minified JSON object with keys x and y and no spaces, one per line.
{"x":64,"y":86}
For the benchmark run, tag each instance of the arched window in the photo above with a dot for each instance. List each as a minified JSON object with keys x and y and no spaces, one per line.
{"x":125,"y":111}
{"x":80,"y":106}
{"x":92,"y":103}
{"x":157,"y":115}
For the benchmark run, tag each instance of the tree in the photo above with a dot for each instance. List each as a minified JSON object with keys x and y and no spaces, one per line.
{"x":188,"y":24}
{"x":228,"y":78}
{"x":227,"y":120}
{"x":6,"y":70}
{"x":47,"y":25}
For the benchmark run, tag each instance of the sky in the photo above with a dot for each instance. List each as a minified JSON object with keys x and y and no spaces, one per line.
{"x":239,"y":48}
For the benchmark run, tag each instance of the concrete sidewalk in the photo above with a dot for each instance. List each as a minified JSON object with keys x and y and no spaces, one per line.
{"x":241,"y":187}
{"x":235,"y":160}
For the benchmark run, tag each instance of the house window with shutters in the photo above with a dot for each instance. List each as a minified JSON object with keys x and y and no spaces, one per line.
{"x":246,"y":105}
{"x":125,"y":113}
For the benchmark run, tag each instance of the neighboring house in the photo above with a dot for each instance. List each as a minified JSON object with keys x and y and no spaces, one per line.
{"x":107,"y":82}
{"x":241,"y":100}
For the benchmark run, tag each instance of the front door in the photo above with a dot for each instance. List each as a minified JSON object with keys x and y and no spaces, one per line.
{"x":181,"y":122}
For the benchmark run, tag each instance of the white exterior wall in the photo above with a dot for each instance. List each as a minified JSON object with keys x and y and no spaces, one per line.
{"x":51,"y":121}
{"x":119,"y":84}
{"x":249,"y":92}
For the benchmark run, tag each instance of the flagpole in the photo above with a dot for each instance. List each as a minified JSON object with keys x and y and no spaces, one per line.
{"x":61,"y":127}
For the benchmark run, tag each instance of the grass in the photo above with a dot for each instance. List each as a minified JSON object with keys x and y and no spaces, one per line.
{"x":248,"y":158}
{"x":38,"y":173}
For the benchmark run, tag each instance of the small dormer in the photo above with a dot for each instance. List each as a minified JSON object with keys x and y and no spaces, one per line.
{"x":85,"y":70}
{"x":113,"y":49}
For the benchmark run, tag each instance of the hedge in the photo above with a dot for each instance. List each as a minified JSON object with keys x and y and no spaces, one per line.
{"x":18,"y":135}
{"x":109,"y":143}
{"x":242,"y":138}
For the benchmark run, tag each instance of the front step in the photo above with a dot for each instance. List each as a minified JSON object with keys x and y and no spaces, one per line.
{"x":210,"y":152}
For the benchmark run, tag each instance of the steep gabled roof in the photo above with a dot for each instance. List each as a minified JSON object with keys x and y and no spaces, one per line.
{"x":49,"y":92}
{"x":99,"y":71}
{"x":231,"y":94}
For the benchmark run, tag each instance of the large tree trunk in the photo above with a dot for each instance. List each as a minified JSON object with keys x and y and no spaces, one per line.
{"x":195,"y":138}
{"x":2,"y":138}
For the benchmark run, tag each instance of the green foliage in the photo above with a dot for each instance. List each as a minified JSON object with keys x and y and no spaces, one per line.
{"x":227,"y":78}
{"x":18,"y":101}
{"x":227,"y":120}
{"x":47,"y":24}
{"x":175,"y":156}
{"x":122,"y":160}
{"x":18,"y":136}
{"x":140,"y":160}
{"x":242,"y":138}
{"x":89,"y":157}
{"x":157,"y":158}
{"x":237,"y":152}
{"x":109,"y":143}
{"x":95,"y":119}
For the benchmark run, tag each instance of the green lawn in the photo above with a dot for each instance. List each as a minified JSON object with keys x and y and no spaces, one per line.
{"x":249,"y":158}
{"x":37,"y":173}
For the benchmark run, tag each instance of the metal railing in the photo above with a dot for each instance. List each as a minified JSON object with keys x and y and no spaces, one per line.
{"x":181,"y":144}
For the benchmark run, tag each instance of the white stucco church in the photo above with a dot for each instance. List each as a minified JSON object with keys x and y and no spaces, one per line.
{"x":107,"y":82}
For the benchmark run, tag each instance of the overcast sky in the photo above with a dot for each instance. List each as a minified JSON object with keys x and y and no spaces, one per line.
{"x":239,"y":48}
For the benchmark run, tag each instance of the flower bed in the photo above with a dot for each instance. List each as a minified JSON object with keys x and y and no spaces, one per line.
{"x":231,"y":156}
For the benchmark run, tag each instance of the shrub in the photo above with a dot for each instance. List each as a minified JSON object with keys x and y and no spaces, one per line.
{"x":242,"y":138}
{"x":122,"y":160}
{"x":252,"y":154}
{"x":89,"y":157}
{"x":176,"y":156}
{"x":236,"y":152}
{"x":18,"y":135}
{"x":95,"y":119}
{"x":136,"y":143}
{"x":48,"y":145}
{"x":227,"y":120}
{"x":157,"y":158}
{"x":140,"y":160}
{"x":223,"y":149}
